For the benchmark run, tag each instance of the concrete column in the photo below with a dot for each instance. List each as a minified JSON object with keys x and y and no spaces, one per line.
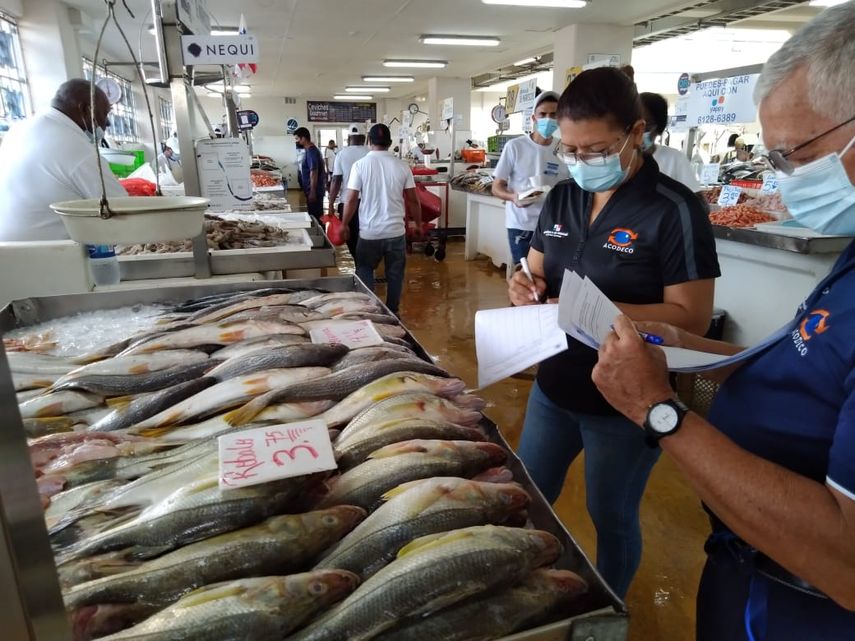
{"x":458,"y":88}
{"x":574,"y":43}
{"x":51,"y":50}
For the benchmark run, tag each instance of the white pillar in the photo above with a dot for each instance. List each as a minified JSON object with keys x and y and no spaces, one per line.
{"x":51,"y":51}
{"x":574,"y":43}
{"x":460,"y":89}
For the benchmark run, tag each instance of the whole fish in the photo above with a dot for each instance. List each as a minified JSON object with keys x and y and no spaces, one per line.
{"x":354,"y":449}
{"x":96,"y":567}
{"x":419,"y":508}
{"x":211,"y":335}
{"x":385,"y":331}
{"x":58,"y":404}
{"x":132,"y":412}
{"x":194,"y":512}
{"x":285,"y":313}
{"x":339,"y":307}
{"x":36,"y":427}
{"x":130,"y":384}
{"x":22,"y":397}
{"x":365,"y":484}
{"x":262,"y":609}
{"x":139,"y":364}
{"x":322,"y":299}
{"x":225,"y":298}
{"x":277,"y":358}
{"x":383,"y":317}
{"x":35,"y":363}
{"x":279,"y":545}
{"x":214,"y":315}
{"x":390,"y":385}
{"x":371,"y":354}
{"x":434,"y":572}
{"x":539,"y":598}
{"x":216,"y":425}
{"x":69,"y":500}
{"x":85,"y":418}
{"x":251,"y":345}
{"x":462,"y":410}
{"x":336,"y":386}
{"x":228,"y":394}
{"x":28,"y":380}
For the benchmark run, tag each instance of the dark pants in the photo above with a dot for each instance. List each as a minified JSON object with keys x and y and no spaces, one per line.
{"x":520,"y":241}
{"x":315,"y":209}
{"x":393,"y":253}
{"x":354,"y":229}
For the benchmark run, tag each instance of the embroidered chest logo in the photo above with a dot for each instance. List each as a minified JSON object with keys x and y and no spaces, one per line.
{"x":621,"y":240}
{"x":812,"y":325}
{"x":557,"y":231}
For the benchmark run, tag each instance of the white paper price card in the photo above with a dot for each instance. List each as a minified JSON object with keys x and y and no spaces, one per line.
{"x":770,"y":185}
{"x":729,"y":196}
{"x":353,"y":334}
{"x":274,"y":452}
{"x":709,"y":173}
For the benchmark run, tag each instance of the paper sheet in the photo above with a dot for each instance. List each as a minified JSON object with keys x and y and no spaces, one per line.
{"x":511,"y":339}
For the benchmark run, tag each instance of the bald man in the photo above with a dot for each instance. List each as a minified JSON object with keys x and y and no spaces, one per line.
{"x":51,"y":158}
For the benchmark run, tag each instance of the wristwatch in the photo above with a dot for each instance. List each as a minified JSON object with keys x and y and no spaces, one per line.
{"x":663,"y":419}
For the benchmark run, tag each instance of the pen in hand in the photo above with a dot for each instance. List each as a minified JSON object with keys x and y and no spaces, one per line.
{"x":527,"y":272}
{"x":653,"y":339}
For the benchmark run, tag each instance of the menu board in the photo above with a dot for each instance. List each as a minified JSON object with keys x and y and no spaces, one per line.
{"x":320,"y":111}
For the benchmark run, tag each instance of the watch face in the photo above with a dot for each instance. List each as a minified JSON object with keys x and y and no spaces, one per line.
{"x":663,"y":418}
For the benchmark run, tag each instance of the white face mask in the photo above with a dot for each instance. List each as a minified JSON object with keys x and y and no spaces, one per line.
{"x":96,"y":136}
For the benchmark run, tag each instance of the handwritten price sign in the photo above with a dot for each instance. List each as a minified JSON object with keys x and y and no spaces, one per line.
{"x":275,"y":452}
{"x":729,"y":196}
{"x":353,"y":334}
{"x":770,"y":185}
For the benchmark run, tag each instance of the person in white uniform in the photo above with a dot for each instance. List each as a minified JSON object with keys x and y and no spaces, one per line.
{"x":344,"y":161}
{"x":50,"y":158}
{"x":387,"y":190}
{"x":528,"y":161}
{"x":672,"y":162}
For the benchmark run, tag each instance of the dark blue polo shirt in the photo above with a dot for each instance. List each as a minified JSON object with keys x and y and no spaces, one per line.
{"x":313,"y":159}
{"x":653,"y":233}
{"x":794,"y":404}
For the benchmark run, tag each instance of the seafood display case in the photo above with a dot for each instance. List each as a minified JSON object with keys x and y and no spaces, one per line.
{"x":29,"y":587}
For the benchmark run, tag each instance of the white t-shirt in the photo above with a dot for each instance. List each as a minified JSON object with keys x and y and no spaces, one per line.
{"x":521,"y":160}
{"x":673,"y":162}
{"x":329,"y":157}
{"x":381,"y":178}
{"x":43,"y":160}
{"x":344,"y":164}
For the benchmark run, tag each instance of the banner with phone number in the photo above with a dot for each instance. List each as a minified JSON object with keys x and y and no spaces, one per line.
{"x":723,"y":101}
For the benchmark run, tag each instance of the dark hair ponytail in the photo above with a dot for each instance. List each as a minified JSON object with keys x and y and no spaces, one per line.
{"x":605,"y":92}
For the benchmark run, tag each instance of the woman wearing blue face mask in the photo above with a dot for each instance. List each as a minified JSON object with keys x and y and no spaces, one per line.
{"x":646,"y":242}
{"x":528,"y":161}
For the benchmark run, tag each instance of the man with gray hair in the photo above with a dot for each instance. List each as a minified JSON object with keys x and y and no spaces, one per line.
{"x":774,"y":462}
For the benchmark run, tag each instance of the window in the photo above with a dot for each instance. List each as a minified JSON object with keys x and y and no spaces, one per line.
{"x":123,"y":120}
{"x":14,"y":95}
{"x":167,"y":119}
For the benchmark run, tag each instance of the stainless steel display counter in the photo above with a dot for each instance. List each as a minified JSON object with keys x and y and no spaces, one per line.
{"x":765,"y":276}
{"x":29,"y":589}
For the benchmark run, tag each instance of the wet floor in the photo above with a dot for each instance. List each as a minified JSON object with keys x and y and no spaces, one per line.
{"x":439,"y":305}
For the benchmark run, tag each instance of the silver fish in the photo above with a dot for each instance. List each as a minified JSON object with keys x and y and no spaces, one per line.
{"x":130,"y":384}
{"x":262,"y":343}
{"x":29,"y":380}
{"x":58,"y":404}
{"x":139,"y":364}
{"x":211,"y":335}
{"x":285,"y":313}
{"x":322,"y":299}
{"x":212,"y":316}
{"x":372,"y":354}
{"x":35,"y":363}
{"x":279,"y":357}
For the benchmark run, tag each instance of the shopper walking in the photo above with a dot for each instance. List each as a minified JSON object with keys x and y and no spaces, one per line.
{"x":344,"y":161}
{"x":526,"y":162}
{"x":646,"y":241}
{"x":672,"y":162}
{"x":330,"y":152}
{"x":384,"y":184}
{"x":312,"y":172}
{"x":774,"y":463}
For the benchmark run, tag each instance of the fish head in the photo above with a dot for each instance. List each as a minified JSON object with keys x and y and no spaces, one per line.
{"x":505,"y":498}
{"x":568,"y":583}
{"x":499,"y":474}
{"x":544,"y":547}
{"x":91,"y":621}
{"x":336,"y":521}
{"x":324,"y":587}
{"x":491,"y":452}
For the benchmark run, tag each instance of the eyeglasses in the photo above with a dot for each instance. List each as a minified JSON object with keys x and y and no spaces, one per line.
{"x":594,"y":159}
{"x":778,"y":158}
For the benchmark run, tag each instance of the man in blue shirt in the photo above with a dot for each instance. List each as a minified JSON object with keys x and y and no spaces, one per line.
{"x":775,"y":461}
{"x":312,"y":173}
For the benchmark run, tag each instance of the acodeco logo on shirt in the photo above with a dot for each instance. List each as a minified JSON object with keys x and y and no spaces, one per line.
{"x":557,"y":231}
{"x":812,"y":325}
{"x":621,"y":240}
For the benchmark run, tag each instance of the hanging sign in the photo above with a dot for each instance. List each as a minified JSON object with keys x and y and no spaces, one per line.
{"x":447,"y":109}
{"x":724,"y":101}
{"x":527,"y":96}
{"x":292,"y":125}
{"x":729,"y":196}
{"x":247,"y":119}
{"x":603,"y":60}
{"x":323,"y":111}
{"x":224,"y":175}
{"x":709,"y":173}
{"x":570,"y":74}
{"x":219,"y":50}
{"x":511,"y":98}
{"x":683,"y":84}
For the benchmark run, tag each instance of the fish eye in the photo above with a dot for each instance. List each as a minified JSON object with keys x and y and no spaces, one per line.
{"x":329,"y":520}
{"x":317,"y":587}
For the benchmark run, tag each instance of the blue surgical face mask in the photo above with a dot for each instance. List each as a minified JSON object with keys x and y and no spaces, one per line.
{"x":96,"y":136}
{"x":546,"y":126}
{"x":819,"y":195}
{"x":603,"y":177}
{"x":647,"y":141}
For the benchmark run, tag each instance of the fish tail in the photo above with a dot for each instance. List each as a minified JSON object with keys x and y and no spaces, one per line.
{"x":155,"y":432}
{"x":119,"y":402}
{"x":247,"y":413}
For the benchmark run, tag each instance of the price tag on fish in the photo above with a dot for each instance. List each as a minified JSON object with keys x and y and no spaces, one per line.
{"x":274,"y":452}
{"x":729,"y":195}
{"x":353,"y":334}
{"x":770,"y":185}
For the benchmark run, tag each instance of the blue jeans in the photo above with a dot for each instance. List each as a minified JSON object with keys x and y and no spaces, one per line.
{"x":617,"y":466}
{"x":520,"y":241}
{"x":393,"y":253}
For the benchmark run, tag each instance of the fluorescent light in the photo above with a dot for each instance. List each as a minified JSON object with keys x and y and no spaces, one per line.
{"x":217,"y":31}
{"x":388,"y":79}
{"x":352,"y":96}
{"x":416,"y":64}
{"x":243,"y":89}
{"x":367,"y":89}
{"x":826,"y":3}
{"x":554,"y":4}
{"x":466,"y":41}
{"x":524,"y":62}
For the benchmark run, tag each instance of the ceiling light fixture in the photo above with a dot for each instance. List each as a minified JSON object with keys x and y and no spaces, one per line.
{"x":243,"y":89}
{"x":466,"y":41}
{"x":353,"y":96}
{"x":552,"y":4}
{"x":216,"y":31}
{"x":524,"y":62}
{"x":826,"y":3}
{"x":353,"y":89}
{"x":388,"y":79}
{"x":416,"y":64}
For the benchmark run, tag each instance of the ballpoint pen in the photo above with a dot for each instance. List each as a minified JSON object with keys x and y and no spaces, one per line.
{"x":653,"y":339}
{"x":527,"y":272}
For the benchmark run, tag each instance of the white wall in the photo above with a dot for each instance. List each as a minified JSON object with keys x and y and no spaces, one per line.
{"x":481,"y":121}
{"x":12,"y":7}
